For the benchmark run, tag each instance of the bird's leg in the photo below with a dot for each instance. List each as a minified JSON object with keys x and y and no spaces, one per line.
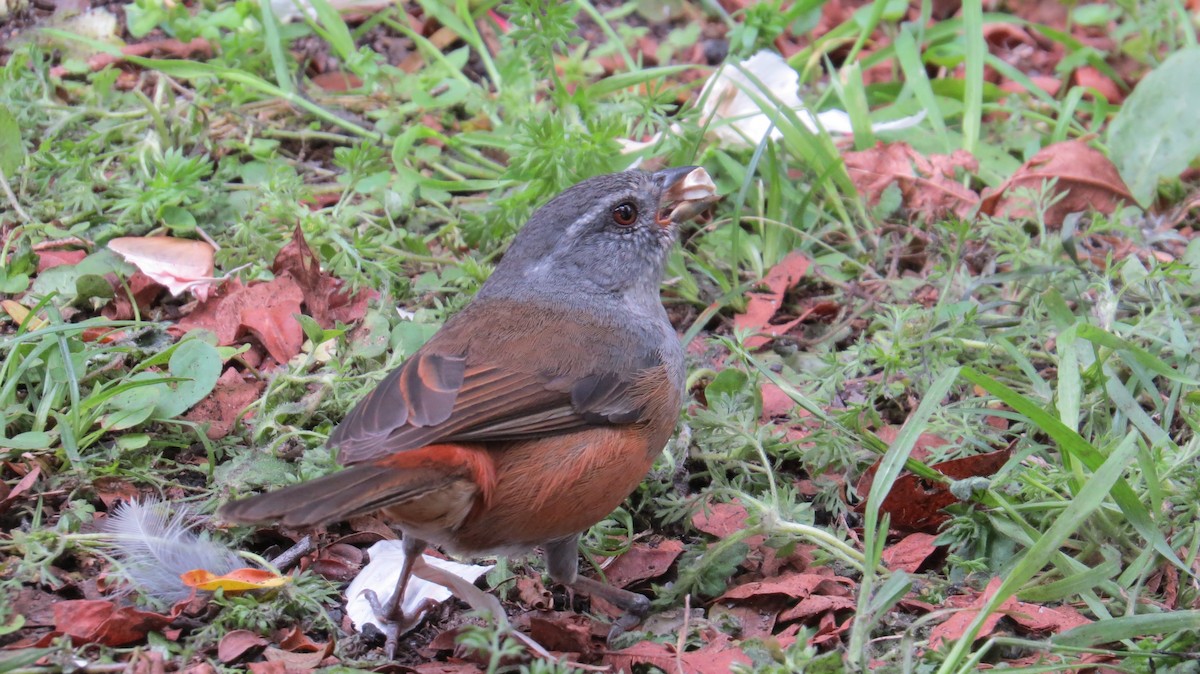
{"x":393,"y":622}
{"x":562,"y":561}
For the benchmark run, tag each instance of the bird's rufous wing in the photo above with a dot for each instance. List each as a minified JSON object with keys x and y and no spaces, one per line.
{"x":437,"y":397}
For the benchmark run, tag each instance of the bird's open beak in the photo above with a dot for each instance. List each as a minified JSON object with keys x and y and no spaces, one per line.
{"x":687,"y":191}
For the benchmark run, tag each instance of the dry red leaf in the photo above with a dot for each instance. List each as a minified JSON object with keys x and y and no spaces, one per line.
{"x":1083,"y":174}
{"x":222,"y":408}
{"x":235,"y":644}
{"x":1089,"y":77}
{"x":762,"y":306}
{"x":775,"y":403}
{"x":910,"y":552}
{"x":1042,"y":621}
{"x":293,"y":639}
{"x":338,"y":562}
{"x":794,"y":585}
{"x":112,"y":490}
{"x":532,"y":593}
{"x":324,"y":296}
{"x":337,"y":81}
{"x":565,"y":632}
{"x":270,"y":316}
{"x":103,"y":622}
{"x":49,"y":259}
{"x":722,"y":519}
{"x":145,"y":291}
{"x":275,"y":668}
{"x":23,"y":485}
{"x":927,"y":184}
{"x":643,"y":561}
{"x":265,"y":310}
{"x":817,"y":605}
{"x":753,"y":620}
{"x":916,"y":505}
{"x":1038,"y":620}
{"x":718,"y":655}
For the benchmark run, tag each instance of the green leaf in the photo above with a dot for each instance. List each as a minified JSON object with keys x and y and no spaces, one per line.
{"x":371,"y":338}
{"x":12,"y":150}
{"x":201,"y":365}
{"x":178,"y":220}
{"x":127,"y":418}
{"x":1128,"y":627}
{"x":728,"y":383}
{"x":1156,"y":134}
{"x":312,"y":329}
{"x":28,"y":441}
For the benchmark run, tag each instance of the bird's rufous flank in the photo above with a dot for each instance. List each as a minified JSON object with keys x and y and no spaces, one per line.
{"x":532,"y":413}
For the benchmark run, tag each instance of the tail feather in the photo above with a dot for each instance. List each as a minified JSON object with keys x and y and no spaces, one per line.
{"x":445,"y":473}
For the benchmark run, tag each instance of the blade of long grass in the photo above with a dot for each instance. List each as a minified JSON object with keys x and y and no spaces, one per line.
{"x":972,"y":11}
{"x":199,"y":70}
{"x":1128,"y":627}
{"x":1089,"y":498}
{"x":279,"y":63}
{"x":1070,"y":441}
{"x":332,"y":28}
{"x":915,"y":76}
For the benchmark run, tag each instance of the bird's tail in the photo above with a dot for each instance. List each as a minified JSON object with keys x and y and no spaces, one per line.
{"x":434,"y":481}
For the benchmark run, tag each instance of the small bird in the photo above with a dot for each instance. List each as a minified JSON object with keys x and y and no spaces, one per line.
{"x":537,"y":409}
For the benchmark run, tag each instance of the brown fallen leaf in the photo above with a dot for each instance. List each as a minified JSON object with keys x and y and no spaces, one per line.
{"x":337,"y":562}
{"x":1090,"y":77}
{"x":9,"y":496}
{"x":817,"y":605}
{"x":762,"y":306}
{"x":717,"y":656}
{"x":916,"y":505}
{"x":265,"y":310}
{"x":643,"y":561}
{"x":722,"y":519}
{"x":1086,"y":178}
{"x":235,"y":644}
{"x":561,"y":631}
{"x":1039,"y":620}
{"x":927,"y":184}
{"x":531,"y":592}
{"x":222,"y":408}
{"x":1042,"y":621}
{"x":294,"y":640}
{"x":794,"y":585}
{"x":910,"y":552}
{"x":49,"y":259}
{"x":325,"y":296}
{"x":103,"y":622}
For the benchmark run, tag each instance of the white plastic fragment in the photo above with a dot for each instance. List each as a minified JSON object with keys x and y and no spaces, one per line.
{"x":734,"y":119}
{"x":381,"y":574}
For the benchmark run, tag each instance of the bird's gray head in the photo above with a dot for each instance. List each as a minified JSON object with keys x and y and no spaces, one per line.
{"x":607,"y":235}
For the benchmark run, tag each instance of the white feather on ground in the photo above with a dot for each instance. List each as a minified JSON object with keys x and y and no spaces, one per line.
{"x":152,"y":548}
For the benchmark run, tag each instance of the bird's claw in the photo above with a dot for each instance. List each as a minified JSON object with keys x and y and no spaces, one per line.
{"x":632,"y":617}
{"x":393,"y":621}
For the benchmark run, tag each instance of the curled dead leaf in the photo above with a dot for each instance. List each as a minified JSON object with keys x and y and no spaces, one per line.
{"x":178,"y":264}
{"x":1083,"y":177}
{"x":238,"y":580}
{"x":927,"y":184}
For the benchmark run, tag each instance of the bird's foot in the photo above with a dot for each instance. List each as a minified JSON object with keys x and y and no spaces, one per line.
{"x":392,"y":619}
{"x":635,"y":611}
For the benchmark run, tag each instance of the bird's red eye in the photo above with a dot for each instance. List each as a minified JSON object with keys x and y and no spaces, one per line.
{"x":625,"y":214}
